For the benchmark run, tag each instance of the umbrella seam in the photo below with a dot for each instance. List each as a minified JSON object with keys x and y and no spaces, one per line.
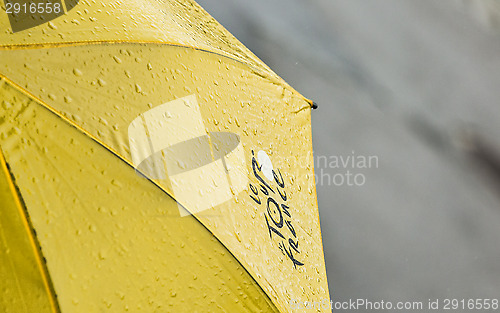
{"x":35,"y":244}
{"x":82,"y":130}
{"x":49,"y":45}
{"x":219,"y":53}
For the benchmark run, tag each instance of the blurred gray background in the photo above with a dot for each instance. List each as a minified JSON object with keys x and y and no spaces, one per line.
{"x":417,"y":84}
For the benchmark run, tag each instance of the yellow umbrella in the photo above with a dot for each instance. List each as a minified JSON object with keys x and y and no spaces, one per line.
{"x":149,"y":162}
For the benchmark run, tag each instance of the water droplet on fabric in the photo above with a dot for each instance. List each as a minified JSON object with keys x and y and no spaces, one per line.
{"x":52,"y":25}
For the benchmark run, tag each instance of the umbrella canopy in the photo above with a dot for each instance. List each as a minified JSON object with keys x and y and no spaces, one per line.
{"x":150,"y":162}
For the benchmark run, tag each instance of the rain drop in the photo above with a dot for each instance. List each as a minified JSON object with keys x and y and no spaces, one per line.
{"x":52,"y":25}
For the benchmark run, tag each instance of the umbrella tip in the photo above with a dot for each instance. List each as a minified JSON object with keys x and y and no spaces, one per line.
{"x":314,"y":105}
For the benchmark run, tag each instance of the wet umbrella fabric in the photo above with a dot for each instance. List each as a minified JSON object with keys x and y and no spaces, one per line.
{"x":150,"y":162}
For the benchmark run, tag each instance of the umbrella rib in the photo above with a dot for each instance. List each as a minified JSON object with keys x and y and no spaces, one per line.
{"x":35,"y":244}
{"x":97,"y":42}
{"x":82,"y":130}
{"x":92,"y":137}
{"x":117,"y":154}
{"x":276,"y":78}
{"x":49,"y":45}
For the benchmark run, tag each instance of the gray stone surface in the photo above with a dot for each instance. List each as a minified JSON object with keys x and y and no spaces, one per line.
{"x":405,"y":81}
